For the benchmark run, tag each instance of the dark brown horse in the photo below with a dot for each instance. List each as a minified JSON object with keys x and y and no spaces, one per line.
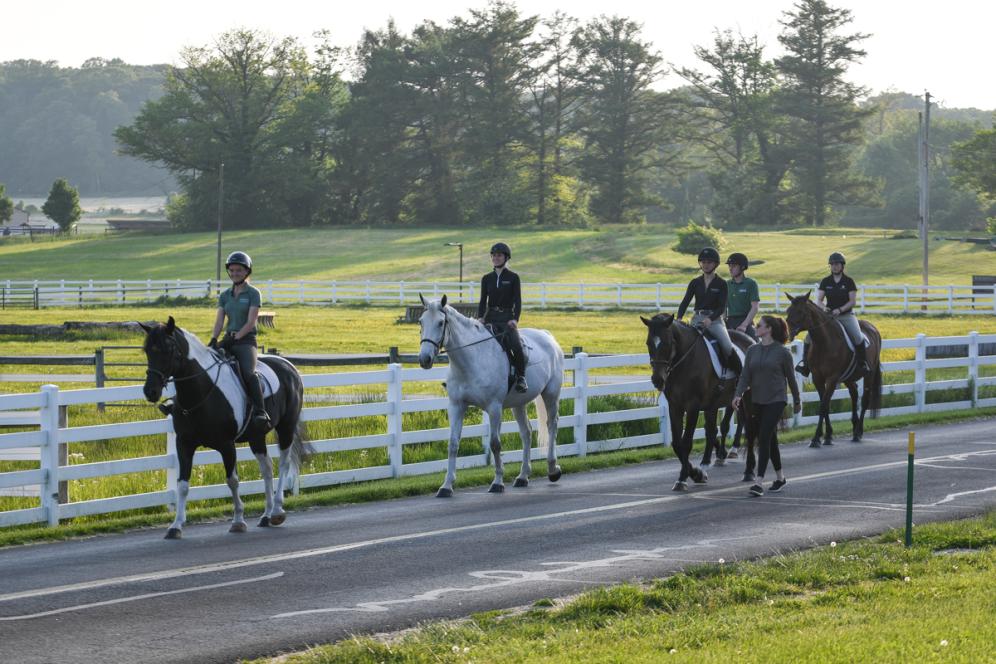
{"x":682,"y":370}
{"x":829,"y":358}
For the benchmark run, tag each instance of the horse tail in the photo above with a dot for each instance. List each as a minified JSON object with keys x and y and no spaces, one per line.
{"x":542,"y":420}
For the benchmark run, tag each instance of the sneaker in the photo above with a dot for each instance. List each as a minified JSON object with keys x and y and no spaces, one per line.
{"x":757,"y":490}
{"x":777,"y":485}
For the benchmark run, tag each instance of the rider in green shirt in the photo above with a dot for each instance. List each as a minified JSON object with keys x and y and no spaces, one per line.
{"x":743,"y":298}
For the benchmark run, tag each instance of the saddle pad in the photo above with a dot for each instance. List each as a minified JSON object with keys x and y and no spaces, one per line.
{"x":722,"y":373}
{"x":268,"y":379}
{"x":847,"y":337}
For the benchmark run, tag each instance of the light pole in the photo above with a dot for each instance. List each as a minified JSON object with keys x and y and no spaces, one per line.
{"x":221,"y":207}
{"x":460,"y":245}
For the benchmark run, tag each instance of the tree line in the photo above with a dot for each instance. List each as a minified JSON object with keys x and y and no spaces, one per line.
{"x":500,"y":117}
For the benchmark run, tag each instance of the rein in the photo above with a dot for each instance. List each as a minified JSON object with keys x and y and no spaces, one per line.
{"x":166,"y":379}
{"x":442,"y":339}
{"x":669,"y":365}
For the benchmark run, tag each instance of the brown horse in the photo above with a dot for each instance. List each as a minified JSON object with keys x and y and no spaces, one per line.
{"x":829,"y":358}
{"x":682,"y":370}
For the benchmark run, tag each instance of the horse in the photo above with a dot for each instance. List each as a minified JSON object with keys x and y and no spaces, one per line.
{"x":478,"y":368}
{"x":829,"y":358}
{"x":693,"y":388}
{"x":210,"y":410}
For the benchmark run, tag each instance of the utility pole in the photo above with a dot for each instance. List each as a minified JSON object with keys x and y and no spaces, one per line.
{"x":221,"y":207}
{"x":924,"y":153}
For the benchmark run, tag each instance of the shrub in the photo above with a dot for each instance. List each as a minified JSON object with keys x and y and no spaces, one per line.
{"x":991,"y":225}
{"x":693,"y":237}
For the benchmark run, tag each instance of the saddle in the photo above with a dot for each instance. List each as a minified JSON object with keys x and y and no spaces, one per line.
{"x":722,"y":372}
{"x":853,"y":364}
{"x":267,"y":378}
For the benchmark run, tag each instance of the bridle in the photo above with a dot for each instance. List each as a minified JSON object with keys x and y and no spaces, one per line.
{"x":167,"y":376}
{"x":441,"y":344}
{"x":669,"y":365}
{"x":827,"y":319}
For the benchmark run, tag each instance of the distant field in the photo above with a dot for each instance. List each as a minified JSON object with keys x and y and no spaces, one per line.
{"x":630,"y":254}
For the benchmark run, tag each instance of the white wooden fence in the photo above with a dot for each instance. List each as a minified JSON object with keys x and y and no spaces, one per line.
{"x":882,"y":299}
{"x":580,"y":388}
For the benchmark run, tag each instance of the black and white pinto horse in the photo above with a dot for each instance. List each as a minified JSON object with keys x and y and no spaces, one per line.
{"x":210,"y":410}
{"x":477,"y":377}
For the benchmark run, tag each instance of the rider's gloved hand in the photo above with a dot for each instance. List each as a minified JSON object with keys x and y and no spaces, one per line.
{"x":227,"y":342}
{"x":213,"y":343}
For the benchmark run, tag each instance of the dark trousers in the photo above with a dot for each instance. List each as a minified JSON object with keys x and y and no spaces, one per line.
{"x":766,"y":418}
{"x":245,"y":353}
{"x":510,"y":340}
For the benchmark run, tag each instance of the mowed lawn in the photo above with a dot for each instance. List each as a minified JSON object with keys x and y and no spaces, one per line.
{"x":625,"y":254}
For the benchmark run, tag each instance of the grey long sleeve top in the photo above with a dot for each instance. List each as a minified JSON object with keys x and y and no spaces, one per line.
{"x":766,"y":371}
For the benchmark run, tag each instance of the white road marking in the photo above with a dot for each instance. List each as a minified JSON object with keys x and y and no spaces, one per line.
{"x":952,"y":496}
{"x":308,"y":553}
{"x":135,"y":598}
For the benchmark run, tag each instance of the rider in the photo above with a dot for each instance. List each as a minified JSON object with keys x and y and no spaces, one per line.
{"x":743,"y":299}
{"x":841,"y":294}
{"x":501,"y":305}
{"x":710,"y":292}
{"x":240,"y":304}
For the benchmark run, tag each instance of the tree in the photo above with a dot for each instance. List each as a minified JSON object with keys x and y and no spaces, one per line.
{"x":826,"y":121}
{"x":622,"y":122}
{"x":6,"y":205}
{"x":975,"y":163}
{"x":63,"y":204}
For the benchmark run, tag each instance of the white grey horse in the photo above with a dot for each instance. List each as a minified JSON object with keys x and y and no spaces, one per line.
{"x":478,"y":377}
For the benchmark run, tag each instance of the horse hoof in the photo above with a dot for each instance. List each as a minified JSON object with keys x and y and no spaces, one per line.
{"x":679,"y":486}
{"x":555,"y":475}
{"x":815,"y":442}
{"x":732,"y":454}
{"x":444,"y":493}
{"x":827,"y":443}
{"x":706,"y":465}
{"x":264,"y":522}
{"x":277,"y":519}
{"x":239,"y":527}
{"x":174,"y":533}
{"x":497,"y":488}
{"x":521,"y":482}
{"x":700,"y":478}
{"x":855,"y":439}
{"x":749,"y":477}
{"x":720,"y":462}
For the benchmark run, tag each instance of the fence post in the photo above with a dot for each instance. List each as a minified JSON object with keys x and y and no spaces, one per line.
{"x":63,"y":455}
{"x":778,"y":296}
{"x":619,"y":295}
{"x":269,"y":291}
{"x":581,"y":403}
{"x":581,"y":295}
{"x":797,"y":348}
{"x":543,"y":295}
{"x":335,"y":287}
{"x":920,"y":372}
{"x":36,"y":301}
{"x":300,"y":291}
{"x":172,"y":471}
{"x":98,"y":373}
{"x":906,"y":298}
{"x":50,"y":453}
{"x":861,"y":299}
{"x":950,"y":299}
{"x":395,"y":423}
{"x":393,"y":356}
{"x":973,"y":366}
{"x":665,"y":418}
{"x":368,"y":291}
{"x":401,"y":293}
{"x":658,"y":299}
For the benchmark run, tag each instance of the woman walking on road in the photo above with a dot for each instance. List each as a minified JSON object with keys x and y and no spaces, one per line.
{"x":767,"y":369}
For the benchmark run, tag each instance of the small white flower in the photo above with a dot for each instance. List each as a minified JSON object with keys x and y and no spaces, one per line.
{"x":722,"y":560}
{"x":906,"y":579}
{"x":466,"y":650}
{"x":672,"y":651}
{"x":455,"y":648}
{"x":833,"y":544}
{"x":944,"y":643}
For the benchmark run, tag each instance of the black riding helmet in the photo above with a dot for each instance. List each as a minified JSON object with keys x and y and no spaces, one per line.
{"x":709,"y":254}
{"x":836,"y":257}
{"x":502,"y":248}
{"x":737,"y":258}
{"x":239,"y":258}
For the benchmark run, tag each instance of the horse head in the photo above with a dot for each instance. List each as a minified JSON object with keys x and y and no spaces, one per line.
{"x":661,"y":346}
{"x":164,"y":355}
{"x":798,"y":315}
{"x":432,"y":325}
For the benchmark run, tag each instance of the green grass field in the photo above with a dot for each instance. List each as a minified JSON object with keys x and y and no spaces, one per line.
{"x":863,"y":601}
{"x":626,"y":254}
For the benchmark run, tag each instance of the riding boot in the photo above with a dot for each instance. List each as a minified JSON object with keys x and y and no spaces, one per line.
{"x":861,"y":351}
{"x":520,"y":373}
{"x":260,"y":417}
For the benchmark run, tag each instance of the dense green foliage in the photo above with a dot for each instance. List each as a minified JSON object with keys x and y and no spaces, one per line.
{"x":63,"y":204}
{"x":6,"y":205}
{"x":693,"y":237}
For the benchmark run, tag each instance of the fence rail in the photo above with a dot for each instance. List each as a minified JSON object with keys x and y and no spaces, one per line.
{"x":54,"y":434}
{"x":872,"y":298}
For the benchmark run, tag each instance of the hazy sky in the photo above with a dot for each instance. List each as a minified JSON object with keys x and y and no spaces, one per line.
{"x":945,"y":47}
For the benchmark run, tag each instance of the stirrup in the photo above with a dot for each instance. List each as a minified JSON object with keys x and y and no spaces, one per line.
{"x":261,"y":418}
{"x":520,"y":384}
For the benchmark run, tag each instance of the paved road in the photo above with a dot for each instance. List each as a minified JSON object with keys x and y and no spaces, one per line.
{"x":329,"y":573}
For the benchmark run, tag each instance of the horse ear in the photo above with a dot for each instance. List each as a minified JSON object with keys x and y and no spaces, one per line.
{"x":147,"y":328}
{"x":645,"y":321}
{"x":789,"y":296}
{"x":442,"y":302}
{"x":170,"y":325}
{"x":422,"y":299}
{"x":668,"y":319}
{"x":807,"y":293}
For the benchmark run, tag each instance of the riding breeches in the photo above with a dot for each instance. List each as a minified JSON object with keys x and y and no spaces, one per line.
{"x":512,"y":341}
{"x":246,"y":356}
{"x":718,"y":332}
{"x":851,"y":326}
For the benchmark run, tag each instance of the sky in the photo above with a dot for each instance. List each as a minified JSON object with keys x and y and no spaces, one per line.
{"x":916,"y":46}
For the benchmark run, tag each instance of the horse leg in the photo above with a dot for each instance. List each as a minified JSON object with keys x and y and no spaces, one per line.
{"x":288,"y":467}
{"x":677,"y":417}
{"x":526,"y":435}
{"x":185,"y":459}
{"x":685,"y":451}
{"x":724,"y":431}
{"x":866,"y":391}
{"x":548,"y":412}
{"x":232,"y":480}
{"x":456,"y":412}
{"x":818,"y":434}
{"x":266,"y":472}
{"x":828,"y":391}
{"x":852,"y":389}
{"x":711,"y":442}
{"x":494,"y":419}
